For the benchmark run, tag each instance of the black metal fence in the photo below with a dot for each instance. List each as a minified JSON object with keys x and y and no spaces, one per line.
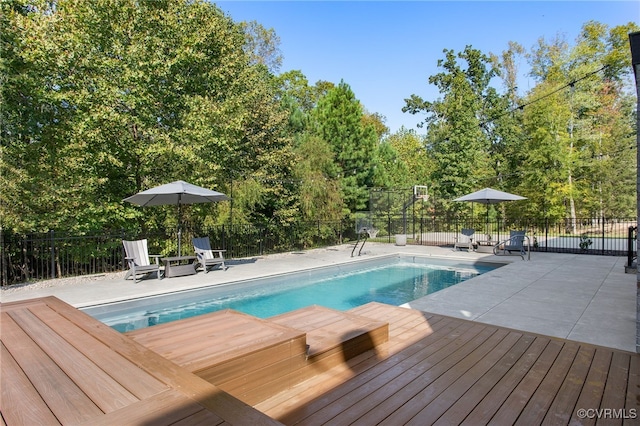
{"x":38,"y":256}
{"x":601,"y":236}
{"x":53,"y":254}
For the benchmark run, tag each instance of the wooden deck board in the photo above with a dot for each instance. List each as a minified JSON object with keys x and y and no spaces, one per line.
{"x":212,"y":339}
{"x":327,"y":328}
{"x":448,"y":371}
{"x":118,"y":367}
{"x":633,"y":385}
{"x":21,"y":402}
{"x":93,"y":381}
{"x":306,"y":400}
{"x":432,"y":370}
{"x":67,"y":401}
{"x":385,"y":381}
{"x":510,"y":409}
{"x":592,"y":395}
{"x":423,"y":387}
{"x":567,"y":396}
{"x":495,"y":398}
{"x":616,"y":386}
{"x":540,"y":402}
{"x":249,"y":357}
{"x":460,"y":408}
{"x":460,"y":385}
{"x":167,"y":407}
{"x":57,"y":383}
{"x":252,"y":358}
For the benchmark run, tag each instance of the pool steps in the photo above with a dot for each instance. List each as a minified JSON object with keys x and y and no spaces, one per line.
{"x":253,"y":358}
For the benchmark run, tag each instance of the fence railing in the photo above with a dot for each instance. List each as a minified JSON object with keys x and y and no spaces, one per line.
{"x":601,"y":236}
{"x":39,"y":256}
{"x":54,"y":254}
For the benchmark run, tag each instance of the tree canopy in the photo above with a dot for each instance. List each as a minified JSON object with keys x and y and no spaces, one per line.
{"x":106,"y":98}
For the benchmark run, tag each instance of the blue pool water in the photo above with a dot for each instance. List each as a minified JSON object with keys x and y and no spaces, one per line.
{"x":395,"y":283}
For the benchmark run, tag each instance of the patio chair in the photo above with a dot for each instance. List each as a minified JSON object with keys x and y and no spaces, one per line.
{"x":464,"y":239}
{"x":515,"y":243}
{"x":206,"y":256}
{"x":137,"y":256}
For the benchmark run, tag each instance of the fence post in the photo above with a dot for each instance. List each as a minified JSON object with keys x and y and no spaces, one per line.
{"x":546,"y":234}
{"x":122,"y":252}
{"x":4,"y":280}
{"x":630,"y":245}
{"x":53,"y":255}
{"x":603,"y":232}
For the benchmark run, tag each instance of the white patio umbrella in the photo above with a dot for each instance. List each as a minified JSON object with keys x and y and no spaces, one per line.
{"x":489,"y":196}
{"x":178,"y":193}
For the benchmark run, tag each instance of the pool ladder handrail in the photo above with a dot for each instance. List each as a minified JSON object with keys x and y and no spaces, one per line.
{"x":364,"y":232}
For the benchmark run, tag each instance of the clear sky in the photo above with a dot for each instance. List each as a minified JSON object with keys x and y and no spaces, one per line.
{"x":386,"y":51}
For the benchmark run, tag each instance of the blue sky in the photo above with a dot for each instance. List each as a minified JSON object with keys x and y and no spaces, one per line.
{"x":387,"y":50}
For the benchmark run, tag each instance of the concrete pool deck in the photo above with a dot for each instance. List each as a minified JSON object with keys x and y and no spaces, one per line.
{"x":577,"y":297}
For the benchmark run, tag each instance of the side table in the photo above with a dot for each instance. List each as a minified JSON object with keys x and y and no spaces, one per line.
{"x":178,"y":266}
{"x":484,"y":246}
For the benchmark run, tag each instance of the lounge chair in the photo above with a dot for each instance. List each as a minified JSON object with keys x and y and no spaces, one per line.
{"x":464,"y":239}
{"x":206,"y":256}
{"x":515,"y":243}
{"x":137,"y":256}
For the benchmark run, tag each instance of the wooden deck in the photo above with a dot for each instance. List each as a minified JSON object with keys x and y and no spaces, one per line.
{"x":252,"y":358}
{"x":446,"y":371}
{"x":60,"y":366}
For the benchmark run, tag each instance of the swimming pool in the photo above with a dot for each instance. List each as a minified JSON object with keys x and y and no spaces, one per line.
{"x":393,"y":281}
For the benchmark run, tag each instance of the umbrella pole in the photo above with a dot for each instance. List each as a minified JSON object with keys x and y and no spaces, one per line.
{"x":488,"y":228}
{"x":179,"y":229}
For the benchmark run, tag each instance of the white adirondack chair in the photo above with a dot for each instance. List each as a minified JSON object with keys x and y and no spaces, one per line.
{"x":137,"y":256}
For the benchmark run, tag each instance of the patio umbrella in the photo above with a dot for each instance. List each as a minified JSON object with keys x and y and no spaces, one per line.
{"x":178,"y":193}
{"x":489,"y":196}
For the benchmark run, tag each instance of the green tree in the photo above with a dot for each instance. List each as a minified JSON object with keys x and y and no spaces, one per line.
{"x":412,"y":153}
{"x":320,"y":192}
{"x":262,"y":46}
{"x":457,"y":141}
{"x":603,"y":111}
{"x":338,"y":120}
{"x":126,"y":95}
{"x":377,"y":121}
{"x":577,"y":122}
{"x":506,"y":128}
{"x":544,"y":178}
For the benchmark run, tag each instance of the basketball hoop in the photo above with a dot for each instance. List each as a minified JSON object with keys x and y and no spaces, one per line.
{"x":420,"y":192}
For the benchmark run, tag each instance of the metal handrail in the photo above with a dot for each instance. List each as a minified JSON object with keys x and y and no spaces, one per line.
{"x":495,"y":247}
{"x":366,"y":235}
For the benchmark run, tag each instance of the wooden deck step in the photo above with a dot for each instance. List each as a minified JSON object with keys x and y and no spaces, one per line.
{"x":333,"y":337}
{"x":406,"y":326}
{"x":58,"y":365}
{"x":252,"y":358}
{"x":243,"y":355}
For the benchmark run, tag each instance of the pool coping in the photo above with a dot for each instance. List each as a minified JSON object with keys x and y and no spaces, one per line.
{"x":111,"y":310}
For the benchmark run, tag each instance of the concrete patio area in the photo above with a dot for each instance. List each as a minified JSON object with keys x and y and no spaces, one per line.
{"x":577,"y":297}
